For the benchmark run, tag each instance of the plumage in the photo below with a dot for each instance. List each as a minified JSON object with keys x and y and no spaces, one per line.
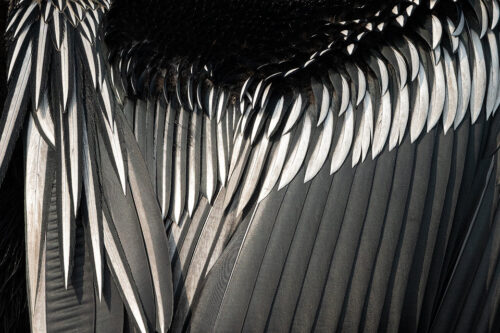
{"x":212,"y":173}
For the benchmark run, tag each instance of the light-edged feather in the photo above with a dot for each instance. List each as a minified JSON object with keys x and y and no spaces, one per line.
{"x":40,"y":61}
{"x":253,"y":173}
{"x":295,"y":113}
{"x":20,"y":43}
{"x":421,"y":105}
{"x":36,"y":181}
{"x":275,"y":166}
{"x":438,"y":95}
{"x":344,"y":142}
{"x":180,"y":164}
{"x":14,"y":110}
{"x":74,"y":135}
{"x":464,"y":84}
{"x":43,"y":120}
{"x":116,"y":149}
{"x":400,"y":118}
{"x":451,"y":101}
{"x":322,"y":148}
{"x":122,"y":276}
{"x":209,"y":158}
{"x":493,"y":74}
{"x":194,"y":172}
{"x":298,"y":153}
{"x":382,"y":125}
{"x":93,"y":210}
{"x":65,"y":211}
{"x":478,"y":77}
{"x":365,"y":133}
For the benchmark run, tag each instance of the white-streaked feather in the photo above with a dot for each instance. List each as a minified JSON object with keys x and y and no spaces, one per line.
{"x":276,"y":117}
{"x":35,"y":184}
{"x":464,"y":84}
{"x":93,"y":217}
{"x":382,"y":125}
{"x":438,"y":94}
{"x":44,"y":119}
{"x":66,"y":213}
{"x":451,"y":101}
{"x":74,"y":149}
{"x":116,"y":149}
{"x":64,"y":54}
{"x":437,"y":31}
{"x":15,"y":53}
{"x":421,"y":107}
{"x":415,"y":59}
{"x":345,"y":95}
{"x":38,"y":316}
{"x":25,"y":16}
{"x":40,"y":60}
{"x":14,"y":106}
{"x":361,"y":86}
{"x":122,"y":278}
{"x":345,"y":140}
{"x":325,"y":105}
{"x":89,"y":56}
{"x":401,"y":115}
{"x":298,"y":153}
{"x":493,"y":74}
{"x":478,"y":77}
{"x":322,"y":148}
{"x":275,"y":167}
{"x":294,"y":114}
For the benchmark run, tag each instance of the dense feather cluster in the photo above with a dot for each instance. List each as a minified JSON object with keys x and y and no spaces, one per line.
{"x":138,"y":114}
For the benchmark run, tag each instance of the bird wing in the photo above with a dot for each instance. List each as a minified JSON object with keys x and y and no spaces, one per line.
{"x":94,"y":234}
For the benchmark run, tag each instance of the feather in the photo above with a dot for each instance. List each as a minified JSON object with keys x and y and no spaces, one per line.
{"x":209,"y":159}
{"x":93,"y":210}
{"x":298,"y":153}
{"x":276,"y":117}
{"x":21,"y":43}
{"x":295,"y":113}
{"x":464,"y":84}
{"x":122,"y":275}
{"x":344,"y":142}
{"x":222,"y":152}
{"x":437,"y":32}
{"x":365,"y":132}
{"x":438,"y":95}
{"x":451,"y":101}
{"x":41,"y":66}
{"x":180,"y":158}
{"x":155,"y":239}
{"x":14,"y":111}
{"x":275,"y":166}
{"x":44,"y":122}
{"x":493,"y":74}
{"x":400,"y":118}
{"x":37,"y":180}
{"x":420,"y":106}
{"x":114,"y":141}
{"x":74,"y":133}
{"x":253,"y":173}
{"x":64,"y":201}
{"x":194,"y":172}
{"x":382,"y":125}
{"x":167,"y":158}
{"x":322,"y":148}
{"x":478,"y":77}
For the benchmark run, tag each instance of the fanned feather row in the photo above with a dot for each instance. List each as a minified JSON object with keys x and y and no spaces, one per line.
{"x":57,"y":74}
{"x":406,"y":85}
